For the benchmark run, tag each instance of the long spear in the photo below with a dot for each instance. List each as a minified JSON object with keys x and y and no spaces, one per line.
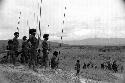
{"x":39,"y":29}
{"x":18,"y":22}
{"x":18,"y":29}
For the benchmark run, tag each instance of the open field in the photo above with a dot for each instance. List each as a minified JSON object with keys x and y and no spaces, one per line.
{"x":91,"y":54}
{"x":69,"y":55}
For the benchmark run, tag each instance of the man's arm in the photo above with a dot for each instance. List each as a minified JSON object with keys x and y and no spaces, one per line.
{"x":45,"y":46}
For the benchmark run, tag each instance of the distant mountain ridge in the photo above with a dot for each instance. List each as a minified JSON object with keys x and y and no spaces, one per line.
{"x":89,"y":41}
{"x":98,"y":41}
{"x":3,"y":43}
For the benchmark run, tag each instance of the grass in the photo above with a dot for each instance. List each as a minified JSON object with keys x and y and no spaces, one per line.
{"x":68,"y":59}
{"x":15,"y":75}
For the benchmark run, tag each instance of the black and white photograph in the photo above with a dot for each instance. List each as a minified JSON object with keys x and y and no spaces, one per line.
{"x":62,"y":41}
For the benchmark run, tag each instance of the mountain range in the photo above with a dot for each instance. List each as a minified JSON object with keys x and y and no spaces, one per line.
{"x":98,"y":41}
{"x":89,"y":41}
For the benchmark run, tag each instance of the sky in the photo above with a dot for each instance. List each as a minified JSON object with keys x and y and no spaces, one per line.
{"x":84,"y":18}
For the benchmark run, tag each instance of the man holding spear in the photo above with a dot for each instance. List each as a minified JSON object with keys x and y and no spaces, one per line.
{"x":33,"y":50}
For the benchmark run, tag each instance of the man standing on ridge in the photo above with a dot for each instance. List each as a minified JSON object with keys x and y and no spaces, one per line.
{"x":25,"y":50}
{"x":15,"y":47}
{"x":45,"y":50}
{"x":10,"y":52}
{"x":33,"y":50}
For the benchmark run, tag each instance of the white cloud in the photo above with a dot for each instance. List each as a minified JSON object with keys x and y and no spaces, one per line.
{"x":84,"y":18}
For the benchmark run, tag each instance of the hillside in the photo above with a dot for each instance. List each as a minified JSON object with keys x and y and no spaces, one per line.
{"x":21,"y":74}
{"x":68,"y":57}
{"x":3,"y":44}
{"x":98,"y":41}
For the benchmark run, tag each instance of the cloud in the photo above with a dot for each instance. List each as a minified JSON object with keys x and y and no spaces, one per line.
{"x":84,"y":19}
{"x":1,"y":3}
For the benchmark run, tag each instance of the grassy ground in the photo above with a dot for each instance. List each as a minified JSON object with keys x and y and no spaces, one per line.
{"x":66,"y":73}
{"x":21,"y":74}
{"x":69,"y":56}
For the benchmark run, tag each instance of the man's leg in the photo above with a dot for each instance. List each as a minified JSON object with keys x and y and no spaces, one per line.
{"x":47,"y":61}
{"x":44,"y":59}
{"x":13,"y":59}
{"x":30,"y":61}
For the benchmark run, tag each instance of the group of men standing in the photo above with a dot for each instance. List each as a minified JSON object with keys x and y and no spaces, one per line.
{"x":29,"y":51}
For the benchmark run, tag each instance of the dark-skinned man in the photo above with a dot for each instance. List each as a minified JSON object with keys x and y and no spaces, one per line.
{"x":15,"y":47}
{"x":33,"y":50}
{"x":45,"y":48}
{"x":25,"y":50}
